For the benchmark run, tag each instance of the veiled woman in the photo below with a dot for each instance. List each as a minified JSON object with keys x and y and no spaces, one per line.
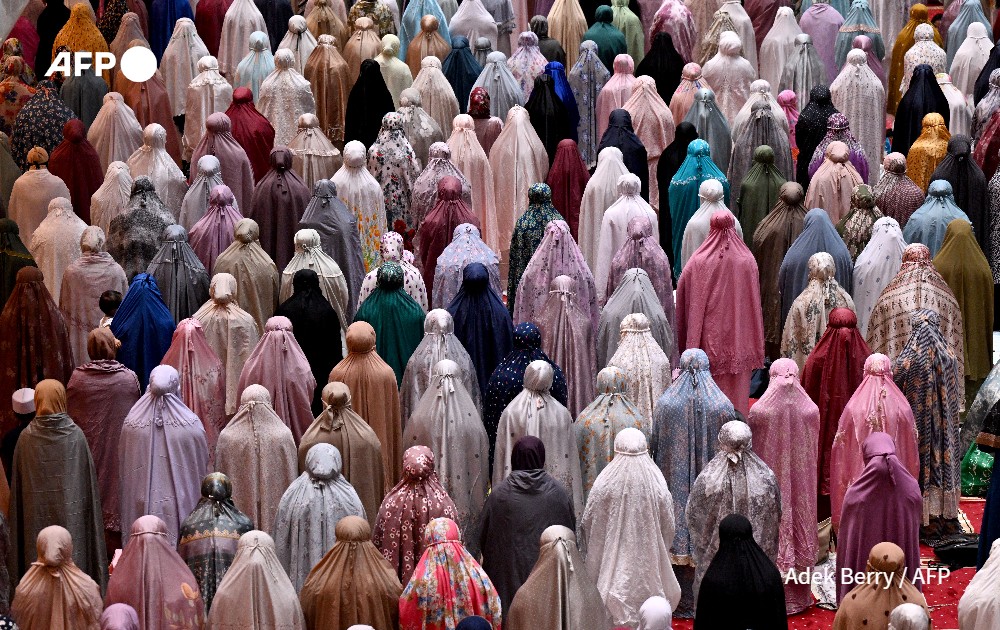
{"x":450,"y":209}
{"x":746,"y":487}
{"x":529,"y":230}
{"x":278,"y":363}
{"x":53,"y":590}
{"x":420,"y":127}
{"x":882,"y":506}
{"x":786,"y":423}
{"x":248,"y":70}
{"x":965,"y":269}
{"x":557,"y":254}
{"x":710,"y":193}
{"x":179,"y":274}
{"x":144,"y":326}
{"x":897,"y":195}
{"x":763,"y":129}
{"x":923,"y":98}
{"x":730,"y":74}
{"x":115,"y":132}
{"x":482,"y":322}
{"x":202,"y":383}
{"x":406,"y":510}
{"x":927,"y":371}
{"x":367,"y":103}
{"x":969,"y":185}
{"x":448,"y":584}
{"x":152,"y":161}
{"x":253,"y":269}
{"x":446,"y":420}
{"x":856,"y":227}
{"x":634,"y":294}
{"x":64,"y":492}
{"x":645,"y":364}
{"x":655,"y":124}
{"x":818,"y":235}
{"x":165,"y":486}
{"x":518,"y":159}
{"x":83,"y":282}
{"x":918,"y":285}
{"x":206,"y":175}
{"x":392,"y":162}
{"x":696,"y":168}
{"x":375,"y":393}
{"x":361,"y":192}
{"x":876,"y":266}
{"x":535,"y":412}
{"x":858,"y":93}
{"x":470,"y":158}
{"x":314,"y":156}
{"x":930,"y":222}
{"x":876,"y":405}
{"x":687,"y":417}
{"x":252,"y":131}
{"x":560,"y":574}
{"x":567,"y":333}
{"x":723,"y":258}
{"x":209,"y":535}
{"x":342,"y":427}
{"x":518,"y":509}
{"x":163,"y":597}
{"x":628,"y":549}
{"x":309,"y":510}
{"x":834,"y":183}
{"x":256,"y":568}
{"x":811,"y":127}
{"x":807,"y":319}
{"x":759,"y":192}
{"x":439,"y":343}
{"x":99,"y":395}
{"x":352,"y":583}
{"x":742,"y":571}
{"x":279,"y":200}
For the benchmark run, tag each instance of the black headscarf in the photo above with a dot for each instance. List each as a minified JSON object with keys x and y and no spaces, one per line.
{"x":276,"y":14}
{"x":551,"y":49}
{"x":670,"y":161}
{"x":528,"y":454}
{"x":664,"y":64}
{"x":811,"y":128}
{"x":982,"y":81}
{"x":968,"y":183}
{"x":742,"y":587}
{"x":526,"y":503}
{"x":461,"y":69}
{"x":923,"y":97}
{"x":368,"y":102}
{"x":482,"y":322}
{"x":619,"y":134}
{"x":316,"y":328}
{"x":179,"y":274}
{"x":50,"y":21}
{"x":548,"y":115}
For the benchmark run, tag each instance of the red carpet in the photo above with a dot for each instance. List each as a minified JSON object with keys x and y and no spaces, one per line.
{"x":941,"y":598}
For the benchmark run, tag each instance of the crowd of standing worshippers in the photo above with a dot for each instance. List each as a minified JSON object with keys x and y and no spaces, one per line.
{"x":560,"y":253}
